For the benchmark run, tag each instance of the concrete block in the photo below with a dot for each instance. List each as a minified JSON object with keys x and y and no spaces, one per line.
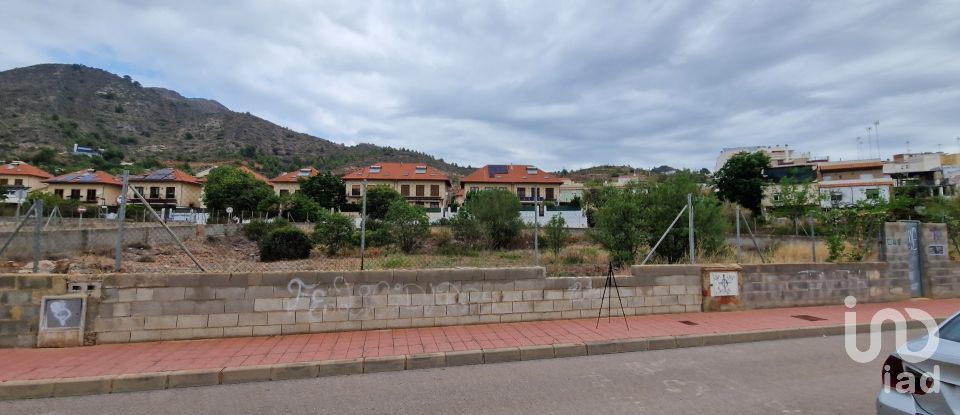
{"x":242,"y":331}
{"x":661,"y":343}
{"x":384,"y":364}
{"x":192,"y":321}
{"x":716,"y":339}
{"x":231,"y":293}
{"x":223,"y":320}
{"x":426,"y":360}
{"x":113,"y":337}
{"x":266,"y":330}
{"x":602,"y":347}
{"x":498,"y":355}
{"x":93,"y":385}
{"x":569,"y":350}
{"x":145,"y":336}
{"x":340,"y":367}
{"x":144,"y":294}
{"x":245,"y":374}
{"x":167,"y":293}
{"x":536,"y":352}
{"x":139,"y":382}
{"x":191,"y":378}
{"x":689,"y":341}
{"x":281,"y":317}
{"x":252,"y":319}
{"x":295,"y":328}
{"x":297,"y":370}
{"x":464,"y":357}
{"x":633,"y":345}
{"x":26,"y":389}
{"x":268,"y":304}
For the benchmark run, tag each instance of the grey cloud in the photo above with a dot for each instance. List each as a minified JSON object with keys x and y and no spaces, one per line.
{"x":558,"y":84}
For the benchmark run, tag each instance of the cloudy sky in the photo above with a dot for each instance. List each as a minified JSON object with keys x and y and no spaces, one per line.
{"x":560,"y":84}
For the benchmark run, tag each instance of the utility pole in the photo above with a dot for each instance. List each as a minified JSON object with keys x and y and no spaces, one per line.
{"x":693,"y":250}
{"x":121,"y":218}
{"x":536,"y":225}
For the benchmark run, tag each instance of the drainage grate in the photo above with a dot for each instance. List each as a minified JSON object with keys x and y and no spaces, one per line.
{"x":689,"y":323}
{"x":808,"y":317}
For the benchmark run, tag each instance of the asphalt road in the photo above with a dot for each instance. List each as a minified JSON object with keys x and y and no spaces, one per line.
{"x":802,"y":376}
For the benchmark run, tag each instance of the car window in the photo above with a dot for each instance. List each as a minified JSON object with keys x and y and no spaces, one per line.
{"x":951,"y":331}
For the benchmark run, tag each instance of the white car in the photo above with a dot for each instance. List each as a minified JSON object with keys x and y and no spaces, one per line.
{"x":930,"y":386}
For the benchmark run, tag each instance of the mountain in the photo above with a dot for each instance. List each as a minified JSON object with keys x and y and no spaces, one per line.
{"x":54,"y":106}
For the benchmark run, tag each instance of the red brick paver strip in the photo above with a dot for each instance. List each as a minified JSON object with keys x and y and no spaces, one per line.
{"x":133,"y":358}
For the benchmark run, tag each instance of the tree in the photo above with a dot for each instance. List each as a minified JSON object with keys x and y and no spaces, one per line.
{"x":857,"y":226}
{"x":231,"y":187}
{"x":326,"y":189}
{"x":379,"y":199}
{"x":740,"y":180}
{"x":556,"y":234}
{"x":619,"y":226}
{"x":576,"y":201}
{"x":286,"y":242}
{"x":495,"y":212}
{"x":334,"y":231}
{"x":407,"y":225}
{"x":794,"y":200}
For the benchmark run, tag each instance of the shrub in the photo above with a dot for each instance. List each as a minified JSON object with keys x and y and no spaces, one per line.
{"x":285,"y":243}
{"x":334,"y":231}
{"x":555,"y":234}
{"x":396,"y":262}
{"x":257,"y":229}
{"x":443,"y":240}
{"x":407,"y":225}
{"x":495,"y":212}
{"x":379,"y":199}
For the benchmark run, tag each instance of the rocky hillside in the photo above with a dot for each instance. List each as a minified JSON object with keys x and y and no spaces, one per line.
{"x":53,"y":106}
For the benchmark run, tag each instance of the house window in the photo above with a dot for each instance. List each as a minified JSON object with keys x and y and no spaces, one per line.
{"x":435,"y":190}
{"x":139,"y":190}
{"x":836,"y":196}
{"x":827,"y":178}
{"x":435,"y":205}
{"x":420,"y":190}
{"x":355,"y":190}
{"x":4,"y":182}
{"x":405,"y":189}
{"x":474,"y":189}
{"x":154,"y":192}
{"x":521,"y":192}
{"x":776,"y":197}
{"x":488,"y":188}
{"x":873,"y":194}
{"x":59,"y":193}
{"x":374,"y":169}
{"x":91,"y":195}
{"x":284,"y":192}
{"x":549,"y":193}
{"x":18,"y":182}
{"x":420,"y":170}
{"x":171,"y":193}
{"x":74,"y":194}
{"x":531,"y":170}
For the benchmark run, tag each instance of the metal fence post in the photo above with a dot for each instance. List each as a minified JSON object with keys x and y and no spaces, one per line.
{"x":37,"y":228}
{"x":693,"y":248}
{"x":739,"y":242}
{"x":363,"y":223}
{"x":536,"y":226}
{"x":121,"y":219}
{"x":813,"y":240}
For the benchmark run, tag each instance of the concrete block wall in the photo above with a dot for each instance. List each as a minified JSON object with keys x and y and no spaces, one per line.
{"x":941,"y":275}
{"x":790,"y":285}
{"x":167,"y":307}
{"x":20,"y":297}
{"x":59,"y":242}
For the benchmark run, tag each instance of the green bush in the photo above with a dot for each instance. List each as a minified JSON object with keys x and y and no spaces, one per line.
{"x":257,"y":229}
{"x":285,"y":243}
{"x":494,"y":213}
{"x":408,"y":226}
{"x":556,"y":234}
{"x":334,"y":231}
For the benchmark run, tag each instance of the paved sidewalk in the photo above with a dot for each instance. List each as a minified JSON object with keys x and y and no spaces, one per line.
{"x":490,"y":343}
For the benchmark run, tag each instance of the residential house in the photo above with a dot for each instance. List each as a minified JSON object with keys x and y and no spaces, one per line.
{"x":86,"y":186}
{"x":19,"y":179}
{"x":779,"y":155}
{"x":289,"y":183}
{"x":168,"y":188}
{"x":419,"y":183}
{"x":920,"y":169}
{"x":86,"y":151}
{"x":776,"y":177}
{"x":570,"y":190}
{"x":844,"y":183}
{"x":521,"y":180}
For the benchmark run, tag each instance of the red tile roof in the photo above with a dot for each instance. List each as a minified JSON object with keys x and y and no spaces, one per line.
{"x":397,"y":171}
{"x":168,"y":174}
{"x":256,"y":175}
{"x":510,"y":174}
{"x":19,"y":168}
{"x":86,"y":177}
{"x":296,"y":175}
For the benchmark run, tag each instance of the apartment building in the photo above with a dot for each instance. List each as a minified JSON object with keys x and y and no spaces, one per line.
{"x":779,"y":155}
{"x":521,"y":180}
{"x":420,"y":184}
{"x":168,"y":188}
{"x":86,"y":186}
{"x":19,"y":179}
{"x":844,"y":183}
{"x":289,"y":183}
{"x":920,"y":169}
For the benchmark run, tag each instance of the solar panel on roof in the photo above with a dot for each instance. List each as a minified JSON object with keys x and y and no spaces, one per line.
{"x":494,"y":170}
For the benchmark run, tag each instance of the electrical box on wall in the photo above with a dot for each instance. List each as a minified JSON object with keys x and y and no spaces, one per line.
{"x":62,"y":320}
